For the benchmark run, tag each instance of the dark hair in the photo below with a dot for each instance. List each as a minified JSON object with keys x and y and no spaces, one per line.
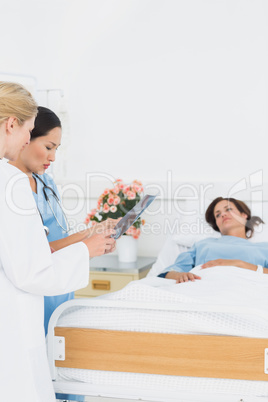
{"x":252,"y":221}
{"x":45,"y":121}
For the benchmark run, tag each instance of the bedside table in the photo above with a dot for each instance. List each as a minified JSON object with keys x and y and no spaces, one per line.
{"x":107,"y":274}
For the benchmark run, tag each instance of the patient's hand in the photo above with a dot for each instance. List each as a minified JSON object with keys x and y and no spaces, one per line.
{"x":181,"y":277}
{"x":235,"y":263}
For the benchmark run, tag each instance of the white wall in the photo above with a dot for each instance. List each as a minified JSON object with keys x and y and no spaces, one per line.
{"x":154,"y":88}
{"x":178,"y":85}
{"x":152,"y":84}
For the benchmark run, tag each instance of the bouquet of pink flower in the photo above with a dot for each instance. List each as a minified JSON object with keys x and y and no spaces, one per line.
{"x":116,"y":202}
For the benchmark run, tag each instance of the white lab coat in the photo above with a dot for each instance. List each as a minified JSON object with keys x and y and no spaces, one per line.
{"x":28,"y":271}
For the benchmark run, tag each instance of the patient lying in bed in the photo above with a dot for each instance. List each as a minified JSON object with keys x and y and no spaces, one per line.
{"x":232,"y":218}
{"x":231,"y":298}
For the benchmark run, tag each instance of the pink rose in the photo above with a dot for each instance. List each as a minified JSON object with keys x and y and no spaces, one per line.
{"x":126,"y":189}
{"x":139,"y":189}
{"x":113,"y":209}
{"x":117,"y":200}
{"x":110,"y":200}
{"x":106,"y":208}
{"x":93,"y":212}
{"x":106,"y":191}
{"x":131,"y":195}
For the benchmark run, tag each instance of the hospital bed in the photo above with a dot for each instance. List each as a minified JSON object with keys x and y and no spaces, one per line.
{"x":147,"y":342}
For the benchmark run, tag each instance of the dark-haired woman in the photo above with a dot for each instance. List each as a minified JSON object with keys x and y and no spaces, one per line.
{"x":34,"y":160}
{"x":232,"y":218}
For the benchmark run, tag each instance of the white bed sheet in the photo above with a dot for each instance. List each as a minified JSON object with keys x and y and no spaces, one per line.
{"x":239,"y":298}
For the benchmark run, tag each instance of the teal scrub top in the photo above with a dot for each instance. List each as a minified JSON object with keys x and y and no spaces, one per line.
{"x":55,"y":233}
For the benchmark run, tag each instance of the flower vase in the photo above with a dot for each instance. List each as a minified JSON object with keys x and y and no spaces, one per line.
{"x":127,"y":248}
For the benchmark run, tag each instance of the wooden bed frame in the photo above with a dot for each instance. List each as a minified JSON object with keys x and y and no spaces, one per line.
{"x":203,"y":356}
{"x":167,"y":354}
{"x":207,"y":356}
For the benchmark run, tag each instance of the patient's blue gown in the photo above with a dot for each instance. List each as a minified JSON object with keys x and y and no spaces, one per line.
{"x":55,"y":233}
{"x":225,"y":247}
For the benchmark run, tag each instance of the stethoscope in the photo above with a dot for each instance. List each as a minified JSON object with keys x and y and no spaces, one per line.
{"x":46,"y":188}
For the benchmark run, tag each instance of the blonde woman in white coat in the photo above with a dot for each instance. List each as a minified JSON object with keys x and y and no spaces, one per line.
{"x":28,"y":270}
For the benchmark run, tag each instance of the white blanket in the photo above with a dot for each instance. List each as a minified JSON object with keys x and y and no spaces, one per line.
{"x":226,"y":290}
{"x":226,"y":301}
{"x":221,"y":285}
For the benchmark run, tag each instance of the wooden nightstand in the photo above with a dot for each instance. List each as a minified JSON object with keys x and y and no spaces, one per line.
{"x":107,"y":274}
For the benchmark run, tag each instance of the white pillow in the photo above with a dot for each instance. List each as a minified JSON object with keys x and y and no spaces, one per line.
{"x":167,"y":256}
{"x":189,"y":239}
{"x":260,"y":234}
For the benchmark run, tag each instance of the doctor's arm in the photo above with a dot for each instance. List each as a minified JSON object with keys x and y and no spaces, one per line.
{"x":25,"y":255}
{"x":96,"y":230}
{"x":100,"y":244}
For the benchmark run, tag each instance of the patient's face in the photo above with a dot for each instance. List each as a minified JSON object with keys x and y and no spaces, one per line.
{"x":228,"y":217}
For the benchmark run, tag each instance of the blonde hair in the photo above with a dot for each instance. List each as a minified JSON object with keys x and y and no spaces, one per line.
{"x":16,"y":101}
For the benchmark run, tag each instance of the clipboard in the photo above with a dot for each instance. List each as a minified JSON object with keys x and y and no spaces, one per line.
{"x":132,"y":215}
